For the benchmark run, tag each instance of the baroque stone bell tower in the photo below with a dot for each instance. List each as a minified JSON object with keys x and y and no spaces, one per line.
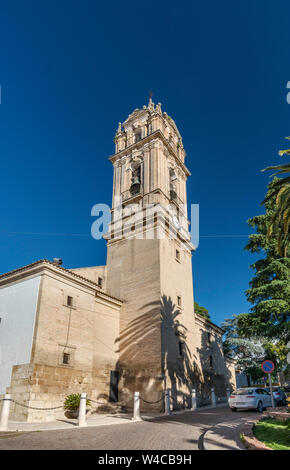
{"x":149,"y":254}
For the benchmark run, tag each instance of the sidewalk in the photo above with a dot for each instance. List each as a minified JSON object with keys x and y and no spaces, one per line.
{"x":225,"y":436}
{"x":94,"y":421}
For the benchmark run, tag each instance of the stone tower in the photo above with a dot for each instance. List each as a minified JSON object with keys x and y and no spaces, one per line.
{"x":128,"y":326}
{"x":149,"y":255}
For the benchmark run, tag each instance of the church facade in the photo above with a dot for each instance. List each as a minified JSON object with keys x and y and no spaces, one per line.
{"x":127,"y":326}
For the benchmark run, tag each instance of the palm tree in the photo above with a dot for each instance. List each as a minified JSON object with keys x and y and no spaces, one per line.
{"x":280,"y":222}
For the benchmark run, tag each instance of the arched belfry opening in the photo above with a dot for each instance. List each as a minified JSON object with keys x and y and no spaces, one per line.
{"x":172,"y":183}
{"x":136,"y":179}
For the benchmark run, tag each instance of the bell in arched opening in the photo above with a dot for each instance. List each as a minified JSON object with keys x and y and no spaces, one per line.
{"x":136,"y":180}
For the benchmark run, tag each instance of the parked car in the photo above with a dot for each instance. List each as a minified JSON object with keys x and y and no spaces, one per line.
{"x":250,"y":398}
{"x":279,"y":395}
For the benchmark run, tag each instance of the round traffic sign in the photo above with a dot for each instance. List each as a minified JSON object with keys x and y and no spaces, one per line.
{"x":268,"y":366}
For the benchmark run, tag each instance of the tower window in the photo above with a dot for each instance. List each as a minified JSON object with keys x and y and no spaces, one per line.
{"x":180,"y":349}
{"x":179,"y":301}
{"x":209,"y":338}
{"x":69,"y":301}
{"x":100,"y":282}
{"x":210,"y":361}
{"x":138,"y":135}
{"x":177,"y":255}
{"x":172,"y":175}
{"x":136,"y":180}
{"x":66,"y":358}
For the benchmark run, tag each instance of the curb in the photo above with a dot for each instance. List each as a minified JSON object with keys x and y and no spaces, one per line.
{"x":248,"y":438}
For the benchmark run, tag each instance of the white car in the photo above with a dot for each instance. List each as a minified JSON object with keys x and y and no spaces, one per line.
{"x":250,"y":398}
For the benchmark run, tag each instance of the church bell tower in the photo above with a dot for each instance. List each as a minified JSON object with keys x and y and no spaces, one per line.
{"x":149,"y":252}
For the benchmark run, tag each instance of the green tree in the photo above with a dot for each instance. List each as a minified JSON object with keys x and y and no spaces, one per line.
{"x":269,"y":291}
{"x":249,"y":353}
{"x":201,"y":311}
{"x":280,"y":220}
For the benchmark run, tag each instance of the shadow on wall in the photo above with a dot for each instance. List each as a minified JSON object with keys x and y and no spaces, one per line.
{"x":201,"y":368}
{"x":139,"y":362}
{"x":215,"y":373}
{"x":180,"y":369}
{"x":177,"y":360}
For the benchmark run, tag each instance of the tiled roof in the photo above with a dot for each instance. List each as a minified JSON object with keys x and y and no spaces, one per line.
{"x":72,"y":273}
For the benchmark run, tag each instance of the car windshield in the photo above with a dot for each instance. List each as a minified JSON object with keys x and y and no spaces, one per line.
{"x":275,"y":389}
{"x":243,"y":391}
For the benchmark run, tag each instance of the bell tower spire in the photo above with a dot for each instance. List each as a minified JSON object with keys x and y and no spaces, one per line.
{"x":149,"y":166}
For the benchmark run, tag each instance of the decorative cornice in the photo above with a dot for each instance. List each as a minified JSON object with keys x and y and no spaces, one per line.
{"x":148,"y":139}
{"x":136,"y":113}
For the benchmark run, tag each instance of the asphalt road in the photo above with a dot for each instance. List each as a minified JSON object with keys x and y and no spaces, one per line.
{"x":182,"y":432}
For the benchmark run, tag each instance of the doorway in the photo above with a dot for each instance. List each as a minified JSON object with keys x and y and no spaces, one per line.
{"x":114,"y":383}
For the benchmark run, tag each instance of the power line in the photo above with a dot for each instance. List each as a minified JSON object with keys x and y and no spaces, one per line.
{"x":89,"y":235}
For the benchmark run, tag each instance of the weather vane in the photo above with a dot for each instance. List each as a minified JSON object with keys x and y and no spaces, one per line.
{"x":150,"y":94}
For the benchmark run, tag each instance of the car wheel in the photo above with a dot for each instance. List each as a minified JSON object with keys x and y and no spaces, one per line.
{"x":234,"y":409}
{"x":260,"y":407}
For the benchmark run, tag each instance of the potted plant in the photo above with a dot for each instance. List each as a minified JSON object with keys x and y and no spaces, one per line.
{"x":72,"y":404}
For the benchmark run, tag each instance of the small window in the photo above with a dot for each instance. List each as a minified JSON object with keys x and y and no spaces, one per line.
{"x":69,"y":301}
{"x":177,"y":255}
{"x":172,"y":175}
{"x":180,"y":348}
{"x":209,"y":338}
{"x":179,"y":301}
{"x":100,"y":282}
{"x":66,"y":358}
{"x":210,"y":361}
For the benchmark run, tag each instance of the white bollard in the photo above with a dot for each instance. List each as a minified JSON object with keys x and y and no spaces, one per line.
{"x":213,"y":399}
{"x":5,"y":412}
{"x":228,"y":393}
{"x":136,"y":414}
{"x":82,"y":411}
{"x":193,"y":399}
{"x":167,"y":403}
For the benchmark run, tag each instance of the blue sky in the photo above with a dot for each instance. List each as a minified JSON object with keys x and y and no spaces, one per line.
{"x":70,"y":70}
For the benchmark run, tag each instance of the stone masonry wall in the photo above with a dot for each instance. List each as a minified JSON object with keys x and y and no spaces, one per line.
{"x":87,"y":332}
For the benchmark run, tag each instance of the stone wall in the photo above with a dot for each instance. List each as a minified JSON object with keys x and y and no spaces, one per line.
{"x":45,"y":386}
{"x":18,"y":303}
{"x":202,"y":363}
{"x":134,"y":276}
{"x":93,"y":273}
{"x":87,"y":331}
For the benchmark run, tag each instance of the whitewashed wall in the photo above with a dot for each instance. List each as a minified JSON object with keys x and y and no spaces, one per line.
{"x":17,"y":312}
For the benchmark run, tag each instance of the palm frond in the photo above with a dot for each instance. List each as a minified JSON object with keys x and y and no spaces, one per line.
{"x":280,"y":169}
{"x":284,"y":152}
